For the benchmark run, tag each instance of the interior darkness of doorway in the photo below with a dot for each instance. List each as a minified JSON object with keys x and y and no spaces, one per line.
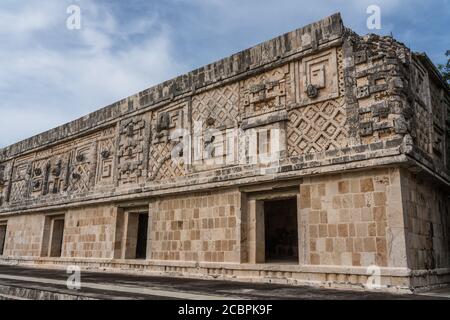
{"x":141,"y":244}
{"x":281,"y":230}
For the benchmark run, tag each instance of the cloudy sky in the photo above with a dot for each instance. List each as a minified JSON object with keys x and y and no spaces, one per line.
{"x":50,"y":75}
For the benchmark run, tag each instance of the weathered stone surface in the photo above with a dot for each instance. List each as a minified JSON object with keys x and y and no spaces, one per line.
{"x":355,"y":129}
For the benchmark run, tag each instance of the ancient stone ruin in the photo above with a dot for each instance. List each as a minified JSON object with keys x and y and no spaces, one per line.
{"x":319,"y":157}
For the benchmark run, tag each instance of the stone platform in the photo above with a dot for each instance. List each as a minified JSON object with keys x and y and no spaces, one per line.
{"x":20,"y":283}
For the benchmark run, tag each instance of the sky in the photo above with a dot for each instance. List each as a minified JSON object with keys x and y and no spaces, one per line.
{"x":51,"y":74}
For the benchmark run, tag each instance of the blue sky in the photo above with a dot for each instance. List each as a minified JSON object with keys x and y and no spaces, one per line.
{"x":50,"y":75}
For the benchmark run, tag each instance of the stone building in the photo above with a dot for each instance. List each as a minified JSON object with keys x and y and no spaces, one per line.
{"x":319,"y":157}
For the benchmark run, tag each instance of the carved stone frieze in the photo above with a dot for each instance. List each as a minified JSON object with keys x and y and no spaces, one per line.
{"x":267,"y":92}
{"x":131,"y":153}
{"x":169,"y":148}
{"x":217,"y":108}
{"x":317,"y":127}
{"x":318,"y":77}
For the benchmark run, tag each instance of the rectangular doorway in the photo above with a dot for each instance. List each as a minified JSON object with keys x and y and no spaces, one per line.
{"x":136,"y":235}
{"x":57,"y":235}
{"x":53,"y":235}
{"x":141,"y":243}
{"x":2,"y":238}
{"x":281,"y":231}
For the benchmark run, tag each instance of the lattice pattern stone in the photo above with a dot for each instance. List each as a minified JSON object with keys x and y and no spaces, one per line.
{"x":317,"y":127}
{"x":220,"y":104}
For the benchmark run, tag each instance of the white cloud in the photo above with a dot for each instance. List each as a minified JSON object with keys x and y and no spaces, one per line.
{"x":50,"y":75}
{"x":27,"y":19}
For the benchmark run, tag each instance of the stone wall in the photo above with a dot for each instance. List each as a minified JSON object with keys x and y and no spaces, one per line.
{"x":196,"y":227}
{"x":24,"y":236}
{"x":427,"y":222}
{"x":89,"y":232}
{"x":352,"y":219}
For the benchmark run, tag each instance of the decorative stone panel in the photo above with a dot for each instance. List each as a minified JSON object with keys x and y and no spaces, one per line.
{"x":219,"y":105}
{"x":5,"y":173}
{"x":267,"y":92}
{"x":21,"y":174}
{"x":132,"y":150}
{"x":81,"y":174}
{"x":106,"y":152}
{"x":169,"y":147}
{"x":317,"y":127}
{"x":317,"y":77}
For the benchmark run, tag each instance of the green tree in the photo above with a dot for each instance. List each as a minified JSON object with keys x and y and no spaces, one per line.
{"x":445,"y":68}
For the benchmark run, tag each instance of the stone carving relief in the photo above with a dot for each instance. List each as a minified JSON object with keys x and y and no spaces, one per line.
{"x":39,"y":177}
{"x":22,"y":173}
{"x":317,"y":77}
{"x":317,"y":127}
{"x":105,"y":158}
{"x":69,"y":168}
{"x":215,"y":148}
{"x":421,"y":132}
{"x":2,"y":175}
{"x":265,"y":93}
{"x":3,"y":182}
{"x":58,"y":173}
{"x":132,"y":150}
{"x":81,"y":173}
{"x":420,"y":84}
{"x":217,"y":108}
{"x":168,"y":149}
{"x":438,"y":108}
{"x":48,"y":174}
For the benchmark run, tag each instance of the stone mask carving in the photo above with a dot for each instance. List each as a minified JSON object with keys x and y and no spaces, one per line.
{"x":105,"y":154}
{"x":80,"y":157}
{"x":312,"y":91}
{"x":37,"y":172}
{"x":57,"y":170}
{"x":163,"y":122}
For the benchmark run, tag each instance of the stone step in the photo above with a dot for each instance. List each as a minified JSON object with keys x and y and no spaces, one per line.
{"x":9,"y":292}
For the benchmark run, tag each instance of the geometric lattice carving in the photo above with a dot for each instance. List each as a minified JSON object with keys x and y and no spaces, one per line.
{"x":167,"y":153}
{"x":80,"y":177}
{"x":220,"y":104}
{"x":266,"y":92}
{"x":317,"y":127}
{"x":165,"y":162}
{"x":19,"y":183}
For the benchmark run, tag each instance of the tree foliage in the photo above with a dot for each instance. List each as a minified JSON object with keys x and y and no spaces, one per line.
{"x":445,"y":68}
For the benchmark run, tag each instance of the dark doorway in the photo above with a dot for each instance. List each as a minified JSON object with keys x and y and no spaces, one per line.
{"x":2,"y":238}
{"x":141,"y":244}
{"x":281,"y":230}
{"x":57,"y":238}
